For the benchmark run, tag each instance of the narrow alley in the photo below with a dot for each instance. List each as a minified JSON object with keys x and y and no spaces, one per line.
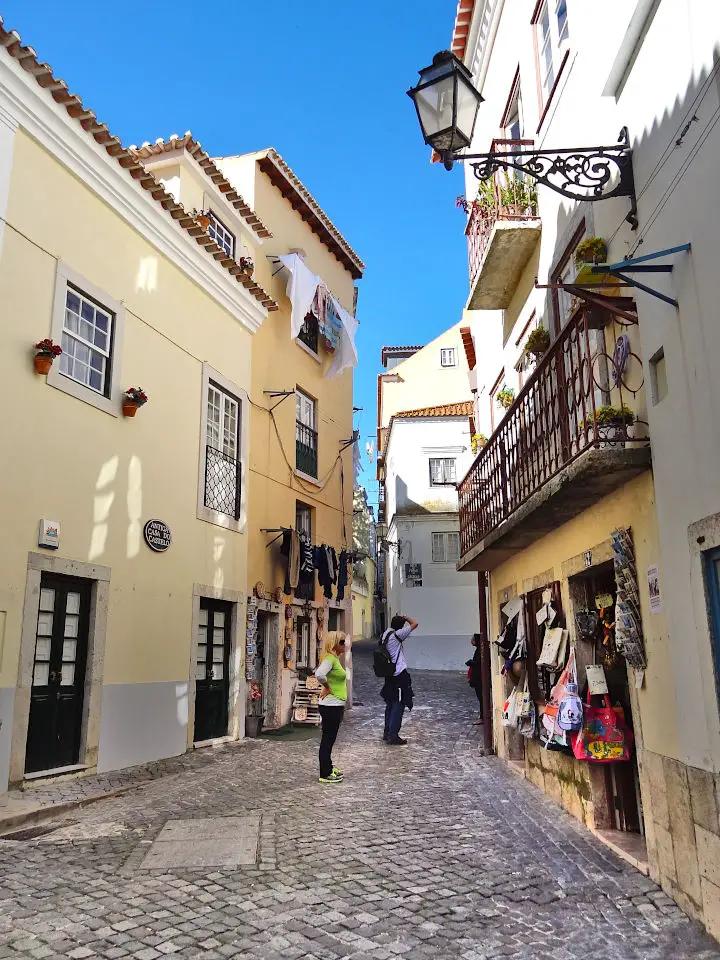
{"x":427,"y":851}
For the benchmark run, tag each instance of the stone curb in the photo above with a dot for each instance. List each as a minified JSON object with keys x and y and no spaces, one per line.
{"x":11,"y":824}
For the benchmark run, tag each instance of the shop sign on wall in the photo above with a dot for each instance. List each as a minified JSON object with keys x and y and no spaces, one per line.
{"x":653,"y":579}
{"x":157,"y":535}
{"x":49,"y":534}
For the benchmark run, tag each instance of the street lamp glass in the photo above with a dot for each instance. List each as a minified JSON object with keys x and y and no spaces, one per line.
{"x":446,"y":102}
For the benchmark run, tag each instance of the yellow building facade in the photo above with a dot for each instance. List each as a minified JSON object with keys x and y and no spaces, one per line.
{"x":130,"y":550}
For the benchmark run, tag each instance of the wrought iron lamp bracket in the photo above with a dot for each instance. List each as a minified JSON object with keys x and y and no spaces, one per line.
{"x":592,"y":173}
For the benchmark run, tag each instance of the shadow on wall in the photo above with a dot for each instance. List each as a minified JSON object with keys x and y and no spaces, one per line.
{"x":408,"y":507}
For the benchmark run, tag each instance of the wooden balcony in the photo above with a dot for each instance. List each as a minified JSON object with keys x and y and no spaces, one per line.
{"x":502,"y":233}
{"x":550,"y":459}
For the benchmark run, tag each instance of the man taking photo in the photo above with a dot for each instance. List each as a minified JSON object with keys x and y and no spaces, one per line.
{"x":397,"y":691}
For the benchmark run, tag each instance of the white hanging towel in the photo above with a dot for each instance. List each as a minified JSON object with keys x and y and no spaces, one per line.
{"x":301,"y":286}
{"x":346,"y":354}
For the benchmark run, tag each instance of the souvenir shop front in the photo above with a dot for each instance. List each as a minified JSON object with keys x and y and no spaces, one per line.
{"x":286,"y":626}
{"x":570,"y":662}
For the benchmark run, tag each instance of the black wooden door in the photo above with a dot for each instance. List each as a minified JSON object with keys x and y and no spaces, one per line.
{"x":58,"y":686}
{"x":212,"y":676}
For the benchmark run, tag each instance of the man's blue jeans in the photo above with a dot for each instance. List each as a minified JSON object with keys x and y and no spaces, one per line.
{"x":393,"y":719}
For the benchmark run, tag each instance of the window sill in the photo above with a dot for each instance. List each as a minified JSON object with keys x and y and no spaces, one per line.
{"x":56,"y":772}
{"x":311,"y":353}
{"x":306,"y":476}
{"x":109,"y":405}
{"x":221,"y":519}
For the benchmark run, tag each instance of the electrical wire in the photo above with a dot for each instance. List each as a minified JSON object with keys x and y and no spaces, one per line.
{"x":305,"y":488}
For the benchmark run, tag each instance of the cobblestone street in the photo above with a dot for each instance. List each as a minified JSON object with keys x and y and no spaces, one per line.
{"x":431,"y":851}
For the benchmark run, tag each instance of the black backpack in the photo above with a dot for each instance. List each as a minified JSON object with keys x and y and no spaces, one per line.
{"x":383,"y":664}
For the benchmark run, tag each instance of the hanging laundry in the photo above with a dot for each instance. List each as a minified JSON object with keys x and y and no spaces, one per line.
{"x":307,"y":561}
{"x":291,"y":549}
{"x":332,"y":324}
{"x":323,"y":563}
{"x":334,"y":564}
{"x":301,"y":288}
{"x":342,"y":580}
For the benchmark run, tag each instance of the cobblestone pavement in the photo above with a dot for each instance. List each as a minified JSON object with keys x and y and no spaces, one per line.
{"x":427,"y":851}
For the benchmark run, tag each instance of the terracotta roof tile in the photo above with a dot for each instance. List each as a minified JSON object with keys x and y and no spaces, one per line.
{"x":469,"y":345}
{"x":129,"y":161}
{"x":392,"y":351}
{"x":461,"y":27}
{"x":292,"y":188}
{"x":149,"y":151}
{"x":462,"y":409}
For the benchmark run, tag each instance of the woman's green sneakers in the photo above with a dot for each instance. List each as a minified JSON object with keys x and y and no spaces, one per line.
{"x":335,"y":777}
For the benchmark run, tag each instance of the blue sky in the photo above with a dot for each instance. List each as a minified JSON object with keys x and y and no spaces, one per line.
{"x":323,"y":82}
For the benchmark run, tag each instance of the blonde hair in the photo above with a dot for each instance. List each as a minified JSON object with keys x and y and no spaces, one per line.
{"x":329,"y":643}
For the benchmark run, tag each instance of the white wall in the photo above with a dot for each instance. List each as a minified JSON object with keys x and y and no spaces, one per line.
{"x":411,"y":445}
{"x":669,"y":82}
{"x":446,"y":603}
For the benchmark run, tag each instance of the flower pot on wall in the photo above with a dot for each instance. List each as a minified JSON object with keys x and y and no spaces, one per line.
{"x":129,"y":409}
{"x":43,"y":362}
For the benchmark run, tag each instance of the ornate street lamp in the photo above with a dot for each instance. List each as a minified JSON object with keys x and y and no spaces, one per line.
{"x":447,"y":103}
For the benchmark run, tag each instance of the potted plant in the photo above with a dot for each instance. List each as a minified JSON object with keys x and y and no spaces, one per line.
{"x":47,"y":350}
{"x":518,"y":196}
{"x":246,"y":264}
{"x":590,"y":250}
{"x":612,"y":423}
{"x":132,"y":399}
{"x":254,"y":718}
{"x":203,"y":219}
{"x":477,"y":442}
{"x":486,"y":198}
{"x":537,"y":343}
{"x":505,"y":397}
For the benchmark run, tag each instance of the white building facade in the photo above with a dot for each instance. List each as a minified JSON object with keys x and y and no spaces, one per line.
{"x":561,"y":74}
{"x":426,"y":451}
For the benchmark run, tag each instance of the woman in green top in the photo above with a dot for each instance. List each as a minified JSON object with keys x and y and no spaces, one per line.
{"x":333,"y":696}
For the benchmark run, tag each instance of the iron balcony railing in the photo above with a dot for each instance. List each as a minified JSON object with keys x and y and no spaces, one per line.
{"x":507,"y":195}
{"x":553,"y":420}
{"x":306,"y":449}
{"x":222,"y":482}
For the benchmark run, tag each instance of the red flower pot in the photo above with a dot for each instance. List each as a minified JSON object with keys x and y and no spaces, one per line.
{"x":129,"y":408}
{"x":43,"y":362}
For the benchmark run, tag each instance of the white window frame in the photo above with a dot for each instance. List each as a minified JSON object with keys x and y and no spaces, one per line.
{"x":445,"y":480}
{"x":212,"y":377}
{"x":222,"y":235}
{"x":443,"y":538}
{"x":554,"y":41}
{"x":448,"y":354}
{"x":303,"y":399}
{"x":111,"y":401}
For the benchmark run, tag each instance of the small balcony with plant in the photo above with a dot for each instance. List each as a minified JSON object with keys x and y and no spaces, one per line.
{"x":574,"y":433}
{"x":502,"y":231}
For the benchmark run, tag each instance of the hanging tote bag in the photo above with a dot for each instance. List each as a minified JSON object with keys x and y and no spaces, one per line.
{"x":604,"y":737}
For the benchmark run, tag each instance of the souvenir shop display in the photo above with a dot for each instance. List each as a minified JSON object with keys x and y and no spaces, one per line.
{"x":604,"y":737}
{"x":251,"y":637}
{"x":629,"y":639}
{"x":554,"y":649}
{"x":553,"y":736}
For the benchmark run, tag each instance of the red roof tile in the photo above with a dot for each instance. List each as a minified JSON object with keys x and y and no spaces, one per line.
{"x":127,"y":159}
{"x":462,"y":409}
{"x":297,"y":194}
{"x":461,"y":27}
{"x":468,"y":344}
{"x":149,"y":151}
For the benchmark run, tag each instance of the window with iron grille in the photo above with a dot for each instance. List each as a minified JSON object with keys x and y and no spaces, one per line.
{"x":306,"y":438}
{"x":221,"y":235}
{"x":86,"y":342}
{"x":442,"y":471}
{"x":447,"y":357}
{"x":445,"y":547}
{"x":222,"y":460}
{"x":309,"y":332}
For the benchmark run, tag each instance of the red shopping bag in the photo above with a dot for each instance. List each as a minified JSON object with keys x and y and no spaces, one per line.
{"x":604,"y":737}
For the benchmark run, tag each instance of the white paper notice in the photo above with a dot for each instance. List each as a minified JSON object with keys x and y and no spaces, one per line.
{"x":546,"y":597}
{"x":551,"y":615}
{"x":542,"y":615}
{"x":597,"y":684}
{"x":653,"y":579}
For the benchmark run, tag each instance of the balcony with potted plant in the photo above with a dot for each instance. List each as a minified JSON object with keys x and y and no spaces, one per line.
{"x":502,"y":232}
{"x":573,"y":434}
